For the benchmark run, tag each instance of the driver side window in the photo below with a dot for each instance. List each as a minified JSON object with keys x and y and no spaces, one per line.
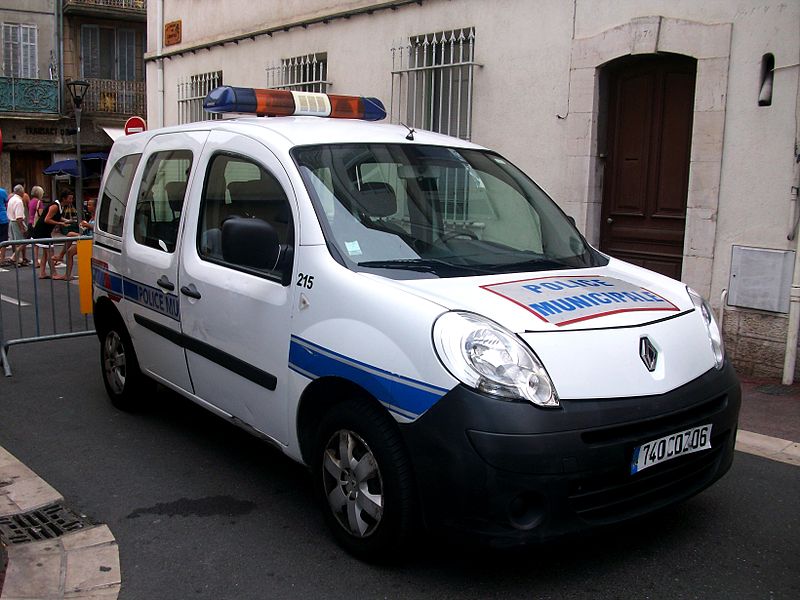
{"x":236,"y":187}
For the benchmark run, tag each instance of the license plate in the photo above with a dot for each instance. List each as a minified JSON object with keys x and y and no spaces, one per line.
{"x":671,"y":446}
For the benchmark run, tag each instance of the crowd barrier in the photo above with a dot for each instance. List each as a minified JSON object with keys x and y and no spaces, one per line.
{"x":46,"y":309}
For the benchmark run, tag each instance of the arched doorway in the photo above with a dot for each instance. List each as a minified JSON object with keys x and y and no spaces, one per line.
{"x":648,"y":145}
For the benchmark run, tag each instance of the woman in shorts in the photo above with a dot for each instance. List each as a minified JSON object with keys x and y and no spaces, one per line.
{"x":47,"y":218}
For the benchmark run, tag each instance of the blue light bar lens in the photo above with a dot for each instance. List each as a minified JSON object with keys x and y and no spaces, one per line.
{"x":374,"y":110}
{"x":228,"y":99}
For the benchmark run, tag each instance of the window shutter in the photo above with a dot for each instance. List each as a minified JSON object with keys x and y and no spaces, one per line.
{"x":90,"y":66}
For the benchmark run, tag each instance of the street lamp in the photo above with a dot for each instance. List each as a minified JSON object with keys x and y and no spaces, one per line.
{"x":77,"y":89}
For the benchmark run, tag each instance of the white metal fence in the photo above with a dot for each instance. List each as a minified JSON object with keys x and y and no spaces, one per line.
{"x":307,"y":73}
{"x":191,"y":92}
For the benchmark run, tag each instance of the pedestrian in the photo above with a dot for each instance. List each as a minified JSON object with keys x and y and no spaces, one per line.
{"x":69,"y":214}
{"x":87,"y":228}
{"x":34,"y":206}
{"x":3,"y":227}
{"x":47,"y":219}
{"x":17,"y":225}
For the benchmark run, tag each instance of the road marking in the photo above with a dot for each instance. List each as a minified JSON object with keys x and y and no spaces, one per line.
{"x":13,"y":301}
{"x":768,"y":447}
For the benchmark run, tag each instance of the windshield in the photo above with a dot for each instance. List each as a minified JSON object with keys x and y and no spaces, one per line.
{"x":427,"y":211}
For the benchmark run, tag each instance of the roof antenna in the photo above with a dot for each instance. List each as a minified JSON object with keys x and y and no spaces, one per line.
{"x":411,"y":132}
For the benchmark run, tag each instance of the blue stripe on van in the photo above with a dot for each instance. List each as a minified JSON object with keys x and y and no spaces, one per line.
{"x":144,"y":295}
{"x":404,"y":396}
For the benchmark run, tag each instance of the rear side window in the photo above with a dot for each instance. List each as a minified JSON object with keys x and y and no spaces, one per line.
{"x":160,"y":199}
{"x":115,"y":194}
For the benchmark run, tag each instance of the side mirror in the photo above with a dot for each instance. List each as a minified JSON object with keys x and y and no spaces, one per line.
{"x":250,"y":243}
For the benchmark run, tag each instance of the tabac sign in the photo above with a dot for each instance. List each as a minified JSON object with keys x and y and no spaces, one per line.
{"x":565,"y":300}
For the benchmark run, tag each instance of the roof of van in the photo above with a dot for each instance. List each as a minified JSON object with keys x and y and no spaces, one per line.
{"x":301,"y":131}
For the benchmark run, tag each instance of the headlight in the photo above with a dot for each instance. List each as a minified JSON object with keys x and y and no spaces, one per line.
{"x":485,"y":356}
{"x":714,"y":334}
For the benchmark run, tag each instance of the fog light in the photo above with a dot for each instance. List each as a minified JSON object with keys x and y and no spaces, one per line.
{"x":526,"y":510}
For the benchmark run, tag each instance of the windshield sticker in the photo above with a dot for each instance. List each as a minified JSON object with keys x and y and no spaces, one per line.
{"x":353,"y":248}
{"x":566,"y":300}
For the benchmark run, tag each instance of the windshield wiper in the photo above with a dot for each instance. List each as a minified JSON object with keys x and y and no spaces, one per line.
{"x":429,"y":265}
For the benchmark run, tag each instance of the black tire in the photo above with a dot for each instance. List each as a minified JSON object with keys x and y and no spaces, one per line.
{"x":120,"y":370}
{"x":368,"y":500}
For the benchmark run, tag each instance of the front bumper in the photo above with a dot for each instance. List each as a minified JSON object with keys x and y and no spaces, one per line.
{"x":515,"y":473}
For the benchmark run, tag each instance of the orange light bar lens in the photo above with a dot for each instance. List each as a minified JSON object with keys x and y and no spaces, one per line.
{"x":278,"y":103}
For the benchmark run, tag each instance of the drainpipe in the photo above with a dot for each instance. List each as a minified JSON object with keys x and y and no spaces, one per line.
{"x":159,"y":117}
{"x":790,"y":355}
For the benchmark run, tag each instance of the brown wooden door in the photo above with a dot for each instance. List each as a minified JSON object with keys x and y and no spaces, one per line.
{"x":27,"y":167}
{"x":651,"y":102}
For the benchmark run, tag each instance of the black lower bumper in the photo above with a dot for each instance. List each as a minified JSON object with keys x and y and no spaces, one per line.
{"x":515,"y":473}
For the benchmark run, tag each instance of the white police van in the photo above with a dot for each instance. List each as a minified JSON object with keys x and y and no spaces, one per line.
{"x":409,"y":315}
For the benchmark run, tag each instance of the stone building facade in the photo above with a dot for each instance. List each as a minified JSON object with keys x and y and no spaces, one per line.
{"x":667,"y":128}
{"x":45,"y":43}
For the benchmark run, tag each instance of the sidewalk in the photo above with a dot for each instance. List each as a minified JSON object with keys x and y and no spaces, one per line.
{"x":84,"y":564}
{"x":769,"y":422}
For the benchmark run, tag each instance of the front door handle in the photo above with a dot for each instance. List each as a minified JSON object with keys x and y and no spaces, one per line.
{"x":165,"y":283}
{"x":191,"y":291}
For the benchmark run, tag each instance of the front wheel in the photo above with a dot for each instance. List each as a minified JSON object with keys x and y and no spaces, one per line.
{"x":364,"y":482}
{"x":123,"y":380}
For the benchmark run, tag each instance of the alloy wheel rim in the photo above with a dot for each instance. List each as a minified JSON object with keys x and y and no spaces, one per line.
{"x":114,"y":362}
{"x":353,"y":484}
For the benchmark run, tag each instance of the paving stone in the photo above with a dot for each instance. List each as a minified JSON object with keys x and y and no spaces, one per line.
{"x":94,"y":567}
{"x":32,"y":575}
{"x":32,"y":493}
{"x":85,"y":538}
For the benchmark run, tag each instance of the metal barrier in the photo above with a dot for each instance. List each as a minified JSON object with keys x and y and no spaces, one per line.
{"x":39,"y":297}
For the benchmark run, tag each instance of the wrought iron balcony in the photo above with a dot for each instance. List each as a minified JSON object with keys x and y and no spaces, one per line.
{"x":28,"y":95}
{"x":114,"y":97}
{"x":119,"y":9}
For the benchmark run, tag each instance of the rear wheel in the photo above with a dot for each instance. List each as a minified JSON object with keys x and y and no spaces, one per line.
{"x":363,"y":481}
{"x":121,"y":375}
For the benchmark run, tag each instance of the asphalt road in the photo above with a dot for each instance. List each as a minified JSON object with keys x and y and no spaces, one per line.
{"x":202,"y":510}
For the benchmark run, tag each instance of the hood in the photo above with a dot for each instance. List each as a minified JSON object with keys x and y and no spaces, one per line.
{"x":603,"y":316}
{"x":617,"y":295}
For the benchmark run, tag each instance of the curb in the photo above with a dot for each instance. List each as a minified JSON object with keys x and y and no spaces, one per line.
{"x":80,"y":565}
{"x":768,"y":447}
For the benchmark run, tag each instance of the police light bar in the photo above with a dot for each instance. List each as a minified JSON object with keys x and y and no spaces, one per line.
{"x":284,"y":103}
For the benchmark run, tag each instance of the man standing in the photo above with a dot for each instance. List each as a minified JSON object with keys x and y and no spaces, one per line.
{"x":3,"y":225}
{"x":17,"y":224}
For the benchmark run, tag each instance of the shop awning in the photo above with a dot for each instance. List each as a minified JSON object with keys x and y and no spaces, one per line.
{"x":70,"y":166}
{"x":114,"y":132}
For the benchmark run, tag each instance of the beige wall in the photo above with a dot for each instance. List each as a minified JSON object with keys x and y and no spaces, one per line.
{"x":537,"y":97}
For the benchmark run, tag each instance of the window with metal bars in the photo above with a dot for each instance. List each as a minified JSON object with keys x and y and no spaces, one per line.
{"x":191,"y":92}
{"x":307,"y":73}
{"x":20,"y":57}
{"x":432,"y":80}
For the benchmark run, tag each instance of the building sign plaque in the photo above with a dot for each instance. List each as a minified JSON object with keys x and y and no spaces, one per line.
{"x":172,"y":33}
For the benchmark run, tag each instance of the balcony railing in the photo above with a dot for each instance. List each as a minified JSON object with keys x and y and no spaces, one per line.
{"x":115,"y":97}
{"x":28,"y":95}
{"x":136,"y":9}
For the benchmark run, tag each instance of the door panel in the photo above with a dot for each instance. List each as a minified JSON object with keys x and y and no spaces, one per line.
{"x":647,"y":169}
{"x":151,"y":267}
{"x":236,"y":326}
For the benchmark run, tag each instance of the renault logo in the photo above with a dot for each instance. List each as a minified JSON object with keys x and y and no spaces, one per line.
{"x":648,"y":353}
